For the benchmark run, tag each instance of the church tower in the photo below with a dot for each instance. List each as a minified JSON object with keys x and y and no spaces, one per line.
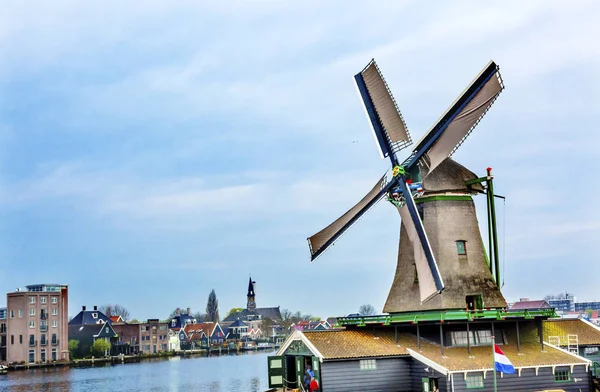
{"x":251,"y":305}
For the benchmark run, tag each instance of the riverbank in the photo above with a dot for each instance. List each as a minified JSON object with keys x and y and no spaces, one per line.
{"x":122,"y":359}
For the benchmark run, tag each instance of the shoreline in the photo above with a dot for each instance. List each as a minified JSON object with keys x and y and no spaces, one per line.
{"x":115,"y":360}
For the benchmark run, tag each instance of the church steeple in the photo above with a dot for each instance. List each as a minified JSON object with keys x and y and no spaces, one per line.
{"x":251,"y":301}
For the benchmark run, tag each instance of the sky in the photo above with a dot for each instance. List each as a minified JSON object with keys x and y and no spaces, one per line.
{"x":152,"y":151}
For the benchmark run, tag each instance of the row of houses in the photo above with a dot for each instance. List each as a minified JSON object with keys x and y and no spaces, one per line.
{"x":35,"y":328}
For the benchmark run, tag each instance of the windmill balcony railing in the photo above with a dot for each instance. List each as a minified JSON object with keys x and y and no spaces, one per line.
{"x":441,"y":316}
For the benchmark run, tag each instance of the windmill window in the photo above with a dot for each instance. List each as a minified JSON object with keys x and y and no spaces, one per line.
{"x":562,"y":375}
{"x":461,"y":247}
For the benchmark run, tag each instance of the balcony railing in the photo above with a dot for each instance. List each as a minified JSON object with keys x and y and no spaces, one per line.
{"x":43,"y":316}
{"x":32,"y":343}
{"x":55,"y":342}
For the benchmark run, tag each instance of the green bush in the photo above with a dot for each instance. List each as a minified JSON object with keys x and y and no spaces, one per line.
{"x":100,"y":347}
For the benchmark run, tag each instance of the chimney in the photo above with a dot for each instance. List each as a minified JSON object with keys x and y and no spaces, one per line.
{"x":188,"y":311}
{"x":95,"y":307}
{"x":83,"y":308}
{"x":178,"y":312}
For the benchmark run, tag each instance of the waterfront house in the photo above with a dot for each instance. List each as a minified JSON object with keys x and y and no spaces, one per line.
{"x":195,"y":336}
{"x":174,"y":343}
{"x":87,"y":334}
{"x":128,"y":341}
{"x":182,"y":319}
{"x":154,"y":336}
{"x":237,"y":330}
{"x":116,"y":319}
{"x":36,"y":328}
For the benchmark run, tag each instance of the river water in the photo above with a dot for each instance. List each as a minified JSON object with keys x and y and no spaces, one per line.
{"x":224,"y":373}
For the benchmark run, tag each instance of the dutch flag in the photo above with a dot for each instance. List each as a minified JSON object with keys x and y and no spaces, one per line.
{"x":502,"y":363}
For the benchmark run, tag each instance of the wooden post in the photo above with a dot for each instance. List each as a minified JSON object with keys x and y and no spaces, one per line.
{"x":396,"y":333}
{"x":468,"y":339}
{"x":442,"y":338}
{"x":418,"y":338}
{"x":518,"y":338}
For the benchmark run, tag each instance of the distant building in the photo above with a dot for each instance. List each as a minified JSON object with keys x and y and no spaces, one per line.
{"x":583,"y":306}
{"x":3,"y":314}
{"x":527,"y":304}
{"x":253,"y":317}
{"x":128,"y":342}
{"x":37,"y":324}
{"x":154,"y":336}
{"x":182,"y":319}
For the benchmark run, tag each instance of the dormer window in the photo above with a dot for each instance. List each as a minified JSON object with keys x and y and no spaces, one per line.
{"x":461,"y":247}
{"x":95,"y":315}
{"x":173,"y":323}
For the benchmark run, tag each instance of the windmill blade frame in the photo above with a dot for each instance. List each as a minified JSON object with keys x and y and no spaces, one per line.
{"x":430,"y":279}
{"x":388,"y":125}
{"x":322,"y":240}
{"x":458,"y":121}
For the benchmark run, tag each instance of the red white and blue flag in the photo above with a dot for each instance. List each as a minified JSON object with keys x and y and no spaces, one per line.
{"x":501,"y":362}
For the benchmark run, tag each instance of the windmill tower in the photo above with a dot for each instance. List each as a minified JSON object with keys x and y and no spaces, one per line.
{"x":442,"y":263}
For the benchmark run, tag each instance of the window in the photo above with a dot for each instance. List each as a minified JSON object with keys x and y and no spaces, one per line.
{"x":31,"y":340}
{"x":484,"y":337}
{"x":54,"y":312}
{"x":459,"y":338}
{"x":43,"y":355}
{"x":54,"y":323}
{"x":54,"y":300}
{"x":461,"y":247}
{"x":31,"y":323}
{"x":474,"y":381}
{"x":54,"y":354}
{"x":474,"y":302}
{"x":12,"y":314}
{"x":368,"y":364}
{"x":12,"y":339}
{"x":43,"y":300}
{"x":31,"y":355}
{"x":31,"y":300}
{"x":562,"y":375}
{"x":43,"y":339}
{"x":95,"y":315}
{"x":591,"y":351}
{"x":20,"y":313}
{"x":32,"y":311}
{"x":20,"y":339}
{"x":54,"y":339}
{"x":173,"y":323}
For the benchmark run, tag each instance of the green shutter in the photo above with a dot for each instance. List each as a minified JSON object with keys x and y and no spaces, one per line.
{"x":276,"y":371}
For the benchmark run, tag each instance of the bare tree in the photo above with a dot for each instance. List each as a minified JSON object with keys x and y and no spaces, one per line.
{"x":212,"y":307}
{"x":366,"y":310}
{"x":286,"y":314}
{"x":115,"y":310}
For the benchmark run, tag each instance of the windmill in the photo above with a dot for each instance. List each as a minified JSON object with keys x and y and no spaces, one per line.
{"x":432,"y":193}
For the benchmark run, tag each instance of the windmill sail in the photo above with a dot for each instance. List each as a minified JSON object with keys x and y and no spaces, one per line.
{"x":322,"y":240}
{"x":430,"y":280}
{"x":387,"y":122}
{"x":459,"y":120}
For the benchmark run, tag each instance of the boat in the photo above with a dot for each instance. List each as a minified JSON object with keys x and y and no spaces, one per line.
{"x":3,"y":369}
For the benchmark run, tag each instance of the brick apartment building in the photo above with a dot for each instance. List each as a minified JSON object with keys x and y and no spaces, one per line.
{"x":37,"y":324}
{"x":148,"y":338}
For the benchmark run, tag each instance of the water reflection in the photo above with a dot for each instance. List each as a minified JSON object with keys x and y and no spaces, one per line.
{"x":226,"y":373}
